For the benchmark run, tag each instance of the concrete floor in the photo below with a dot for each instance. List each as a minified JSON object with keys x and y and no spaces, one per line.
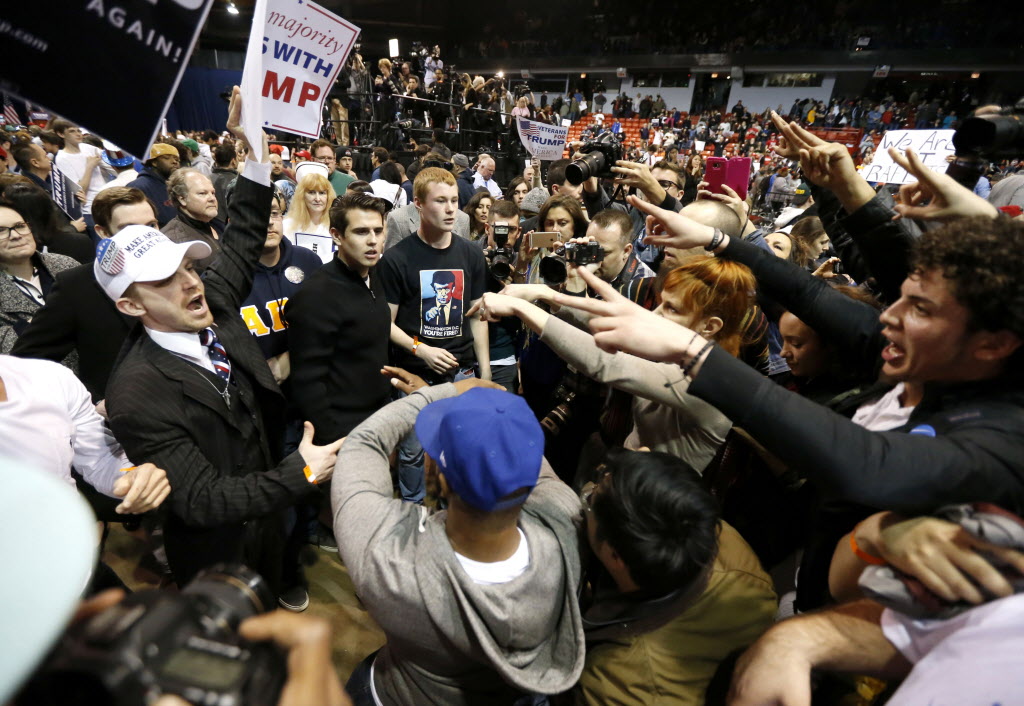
{"x":331,"y":595}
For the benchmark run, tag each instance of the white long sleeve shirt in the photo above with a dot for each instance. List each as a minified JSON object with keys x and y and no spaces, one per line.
{"x":48,"y":421}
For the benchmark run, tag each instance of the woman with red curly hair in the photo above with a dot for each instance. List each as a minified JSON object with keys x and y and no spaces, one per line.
{"x":708,"y":295}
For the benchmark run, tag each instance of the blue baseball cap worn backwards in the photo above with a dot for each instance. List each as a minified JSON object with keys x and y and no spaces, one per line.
{"x":487,"y":443}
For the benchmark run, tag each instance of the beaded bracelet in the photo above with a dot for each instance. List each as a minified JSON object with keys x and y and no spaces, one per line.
{"x":693,"y":361}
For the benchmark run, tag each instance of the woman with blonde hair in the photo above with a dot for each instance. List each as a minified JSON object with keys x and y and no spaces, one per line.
{"x":709,"y":295}
{"x":309,"y":210}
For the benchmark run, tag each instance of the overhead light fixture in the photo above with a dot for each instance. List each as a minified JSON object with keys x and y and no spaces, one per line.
{"x":232,"y":10}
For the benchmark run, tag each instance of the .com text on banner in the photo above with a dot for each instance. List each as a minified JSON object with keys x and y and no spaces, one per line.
{"x":296,"y":50}
{"x":541,"y":140}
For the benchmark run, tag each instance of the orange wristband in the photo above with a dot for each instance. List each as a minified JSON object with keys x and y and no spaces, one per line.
{"x":309,"y":475}
{"x":861,"y":554}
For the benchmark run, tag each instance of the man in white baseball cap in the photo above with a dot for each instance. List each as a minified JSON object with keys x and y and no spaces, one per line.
{"x":192,"y":391}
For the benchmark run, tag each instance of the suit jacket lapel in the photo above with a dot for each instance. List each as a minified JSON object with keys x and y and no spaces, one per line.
{"x":194,"y":384}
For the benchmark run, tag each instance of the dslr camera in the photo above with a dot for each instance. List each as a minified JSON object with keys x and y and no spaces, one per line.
{"x":985,"y":137}
{"x":553,"y":268}
{"x":500,"y":258}
{"x":599,"y":156}
{"x":156,"y":642}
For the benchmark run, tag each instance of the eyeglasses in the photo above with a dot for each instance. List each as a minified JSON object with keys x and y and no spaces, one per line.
{"x":19,"y":228}
{"x":324,"y":160}
{"x":275,"y":214}
{"x":666,"y":184}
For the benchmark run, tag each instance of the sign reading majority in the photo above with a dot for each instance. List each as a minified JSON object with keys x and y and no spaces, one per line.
{"x":932,"y":146}
{"x":113,"y":65}
{"x":296,"y":50}
{"x":541,"y":140}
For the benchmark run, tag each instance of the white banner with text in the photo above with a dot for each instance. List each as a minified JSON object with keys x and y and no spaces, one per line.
{"x":932,"y":146}
{"x":541,"y":140}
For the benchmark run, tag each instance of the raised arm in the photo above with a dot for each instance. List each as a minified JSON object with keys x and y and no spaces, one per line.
{"x":231,"y":273}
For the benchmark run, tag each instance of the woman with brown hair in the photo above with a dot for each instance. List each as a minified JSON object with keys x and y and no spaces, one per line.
{"x":693,"y":174}
{"x":478,"y":209}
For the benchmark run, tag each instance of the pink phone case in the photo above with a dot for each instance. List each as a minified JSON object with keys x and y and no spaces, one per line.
{"x":738,"y":175}
{"x":715,"y":172}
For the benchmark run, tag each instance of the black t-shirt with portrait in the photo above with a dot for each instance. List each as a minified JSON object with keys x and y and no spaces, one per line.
{"x":433,"y":288}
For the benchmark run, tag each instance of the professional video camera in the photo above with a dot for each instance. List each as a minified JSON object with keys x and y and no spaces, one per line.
{"x":553,"y":267}
{"x":599,"y":156}
{"x":156,"y":642}
{"x":521,"y":89}
{"x":982,"y":138}
{"x":500,"y":258}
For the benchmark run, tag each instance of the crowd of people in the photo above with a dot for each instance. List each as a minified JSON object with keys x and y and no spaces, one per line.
{"x":570,"y":447}
{"x":645,"y":28}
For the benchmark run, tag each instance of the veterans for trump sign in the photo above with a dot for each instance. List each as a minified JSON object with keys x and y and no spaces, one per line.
{"x":541,"y":140}
{"x":296,"y":50}
{"x":931,"y":146}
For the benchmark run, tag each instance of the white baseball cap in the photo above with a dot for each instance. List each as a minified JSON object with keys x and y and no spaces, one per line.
{"x":140,"y":254}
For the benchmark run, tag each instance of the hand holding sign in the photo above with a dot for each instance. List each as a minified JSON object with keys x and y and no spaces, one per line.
{"x":935,"y":197}
{"x":234,"y":126}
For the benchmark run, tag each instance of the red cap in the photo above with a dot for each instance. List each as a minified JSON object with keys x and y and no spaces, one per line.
{"x":277,"y":149}
{"x":1012,"y":211}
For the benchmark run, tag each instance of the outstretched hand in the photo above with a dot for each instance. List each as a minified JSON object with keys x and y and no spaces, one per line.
{"x":319,"y":459}
{"x":402,"y":379}
{"x":934,"y":196}
{"x":620,"y":325}
{"x":671,"y":229}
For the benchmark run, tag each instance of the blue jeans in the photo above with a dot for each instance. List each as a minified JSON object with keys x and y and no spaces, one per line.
{"x":358,"y":685}
{"x":410,"y":455}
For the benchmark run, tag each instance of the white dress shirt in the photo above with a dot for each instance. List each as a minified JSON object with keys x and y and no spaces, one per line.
{"x":184,"y":345}
{"x":489,"y":184}
{"x":48,"y":421}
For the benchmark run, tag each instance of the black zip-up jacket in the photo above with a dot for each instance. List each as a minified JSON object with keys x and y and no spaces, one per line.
{"x":963,"y":443}
{"x":338,"y":334}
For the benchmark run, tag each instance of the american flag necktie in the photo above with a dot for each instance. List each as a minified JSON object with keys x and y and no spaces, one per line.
{"x":218,"y":356}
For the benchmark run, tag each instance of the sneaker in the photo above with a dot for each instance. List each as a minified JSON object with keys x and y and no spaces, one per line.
{"x":323,"y":537}
{"x":295,"y":599}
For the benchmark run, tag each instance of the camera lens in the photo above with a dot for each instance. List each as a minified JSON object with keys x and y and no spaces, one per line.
{"x":995,"y":135}
{"x":591,"y":164}
{"x":553,"y":270}
{"x":231,"y":593}
{"x":500,"y":267}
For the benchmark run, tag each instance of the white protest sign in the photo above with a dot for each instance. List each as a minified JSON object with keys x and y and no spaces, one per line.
{"x":932,"y":146}
{"x":322,"y":245}
{"x":296,"y":50}
{"x":541,"y":140}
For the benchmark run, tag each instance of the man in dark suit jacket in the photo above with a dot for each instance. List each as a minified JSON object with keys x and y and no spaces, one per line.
{"x":78,"y":316}
{"x":207,"y":411}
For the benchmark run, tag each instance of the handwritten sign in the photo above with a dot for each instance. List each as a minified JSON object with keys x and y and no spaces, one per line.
{"x":296,"y":51}
{"x":932,"y":146}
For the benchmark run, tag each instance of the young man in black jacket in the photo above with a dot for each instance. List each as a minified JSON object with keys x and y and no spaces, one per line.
{"x":947,"y":426}
{"x":339,"y":325}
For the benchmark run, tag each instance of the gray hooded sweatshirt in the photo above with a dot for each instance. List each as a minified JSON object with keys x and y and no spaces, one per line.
{"x":451,"y":641}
